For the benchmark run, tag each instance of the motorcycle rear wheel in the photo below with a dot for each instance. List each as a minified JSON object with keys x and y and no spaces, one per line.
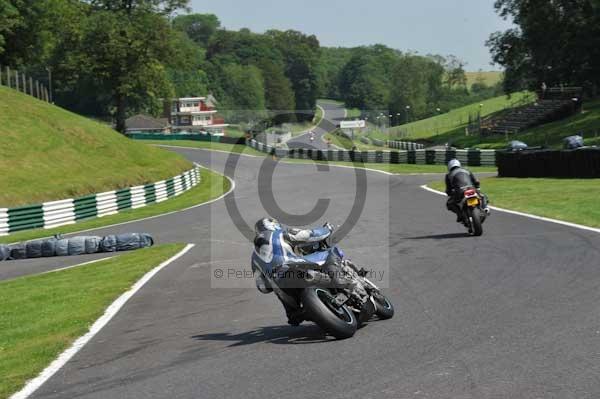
{"x":337,"y":321}
{"x":475,"y":215}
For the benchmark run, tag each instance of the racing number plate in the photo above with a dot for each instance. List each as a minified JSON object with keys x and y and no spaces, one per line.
{"x":472,"y":201}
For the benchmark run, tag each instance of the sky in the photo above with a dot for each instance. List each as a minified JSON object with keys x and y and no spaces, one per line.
{"x":457,"y":27}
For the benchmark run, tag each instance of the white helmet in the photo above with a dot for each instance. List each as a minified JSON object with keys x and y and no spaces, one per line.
{"x":454,"y":163}
{"x":266,"y":224}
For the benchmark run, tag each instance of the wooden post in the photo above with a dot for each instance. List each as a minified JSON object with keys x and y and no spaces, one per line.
{"x":46,"y":95}
{"x":17,"y":79}
{"x":37,"y":89}
{"x":24,"y":83}
{"x":0,"y":75}
{"x":8,"y":76}
{"x":31,"y":86}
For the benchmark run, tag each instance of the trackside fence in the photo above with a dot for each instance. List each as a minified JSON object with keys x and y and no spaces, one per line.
{"x":72,"y":210}
{"x":420,"y":157}
{"x":19,"y":81}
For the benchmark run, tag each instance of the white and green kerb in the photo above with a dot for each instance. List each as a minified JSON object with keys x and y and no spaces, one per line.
{"x":69,"y":211}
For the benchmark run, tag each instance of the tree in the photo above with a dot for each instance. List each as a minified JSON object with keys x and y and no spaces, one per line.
{"x":126,"y":44}
{"x":242,"y":92}
{"x":163,"y":7}
{"x":555,"y":41}
{"x":363,"y":84}
{"x":301,"y":57}
{"x":331,"y":63}
{"x":365,"y":81}
{"x":9,"y":19}
{"x":279,"y":95}
{"x":198,"y":27}
{"x":186,"y":69}
{"x":417,"y":83}
{"x":455,"y":73}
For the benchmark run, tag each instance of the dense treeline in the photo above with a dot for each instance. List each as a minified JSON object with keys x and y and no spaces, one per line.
{"x":115,"y":58}
{"x":556,"y":42}
{"x":379,"y":79}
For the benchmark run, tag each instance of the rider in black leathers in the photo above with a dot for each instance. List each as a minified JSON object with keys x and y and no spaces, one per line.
{"x":457,"y":180}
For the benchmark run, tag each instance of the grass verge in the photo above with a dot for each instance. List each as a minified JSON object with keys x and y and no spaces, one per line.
{"x":235,"y":148}
{"x":570,"y":200}
{"x":344,"y":142}
{"x":48,"y":153}
{"x":212,"y":186}
{"x":42,"y":315}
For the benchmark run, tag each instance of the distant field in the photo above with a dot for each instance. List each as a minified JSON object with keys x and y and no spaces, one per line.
{"x":586,"y":124}
{"x":457,"y":118}
{"x":490,"y":78}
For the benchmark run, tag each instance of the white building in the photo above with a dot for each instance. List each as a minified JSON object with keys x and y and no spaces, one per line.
{"x":196,"y":115}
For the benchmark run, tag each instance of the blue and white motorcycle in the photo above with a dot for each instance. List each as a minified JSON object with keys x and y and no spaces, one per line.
{"x":317,"y":282}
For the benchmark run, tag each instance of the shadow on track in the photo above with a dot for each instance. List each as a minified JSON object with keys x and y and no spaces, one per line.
{"x":283,"y":335}
{"x":440,"y":236}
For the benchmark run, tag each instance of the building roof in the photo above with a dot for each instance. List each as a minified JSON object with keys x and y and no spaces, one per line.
{"x":190,"y":98}
{"x":145,"y":122}
{"x":209,"y":99}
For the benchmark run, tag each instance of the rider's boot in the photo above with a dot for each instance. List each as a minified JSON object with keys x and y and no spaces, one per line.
{"x":294,"y":316}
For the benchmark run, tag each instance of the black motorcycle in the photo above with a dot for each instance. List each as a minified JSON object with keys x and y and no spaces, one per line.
{"x":473,"y":214}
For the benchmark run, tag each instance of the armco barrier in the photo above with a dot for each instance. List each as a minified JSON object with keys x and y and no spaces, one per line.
{"x":70,"y":211}
{"x":421,"y":157}
{"x":404,"y":145}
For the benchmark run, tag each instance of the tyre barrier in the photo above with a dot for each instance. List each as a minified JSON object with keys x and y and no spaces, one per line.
{"x":404,"y":145}
{"x":421,"y":157}
{"x":70,"y":211}
{"x":582,"y":163}
{"x":80,"y":245}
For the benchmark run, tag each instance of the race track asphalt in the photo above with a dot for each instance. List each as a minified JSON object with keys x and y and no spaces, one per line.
{"x":512,"y":314}
{"x":333,"y":114}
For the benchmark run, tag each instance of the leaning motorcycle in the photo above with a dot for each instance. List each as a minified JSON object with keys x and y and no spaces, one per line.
{"x":339,"y":309}
{"x":473,"y":214}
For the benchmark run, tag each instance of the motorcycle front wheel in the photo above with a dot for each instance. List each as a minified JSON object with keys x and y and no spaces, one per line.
{"x":337,"y":321}
{"x":383,"y":307}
